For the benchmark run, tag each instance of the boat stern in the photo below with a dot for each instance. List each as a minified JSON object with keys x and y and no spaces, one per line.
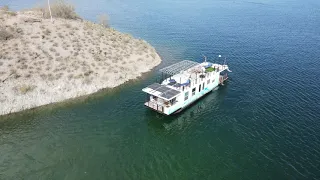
{"x":161,"y":98}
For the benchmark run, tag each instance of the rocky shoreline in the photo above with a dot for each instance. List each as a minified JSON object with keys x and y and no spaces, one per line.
{"x":44,"y":62}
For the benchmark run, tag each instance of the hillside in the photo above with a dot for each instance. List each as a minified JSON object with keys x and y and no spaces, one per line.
{"x":43,"y":62}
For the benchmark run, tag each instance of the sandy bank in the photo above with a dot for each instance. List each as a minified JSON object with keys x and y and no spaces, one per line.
{"x":43,"y":62}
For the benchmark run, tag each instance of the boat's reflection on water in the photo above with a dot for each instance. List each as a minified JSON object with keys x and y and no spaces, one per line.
{"x":205,"y":106}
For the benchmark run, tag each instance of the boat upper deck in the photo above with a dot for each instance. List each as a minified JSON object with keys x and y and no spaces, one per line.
{"x":189,"y":71}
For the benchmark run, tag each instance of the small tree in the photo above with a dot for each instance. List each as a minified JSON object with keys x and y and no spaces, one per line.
{"x":4,"y":34}
{"x":60,"y":9}
{"x":103,"y":20}
{"x":4,"y":8}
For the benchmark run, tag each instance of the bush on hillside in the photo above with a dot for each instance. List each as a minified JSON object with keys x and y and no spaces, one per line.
{"x":60,"y":9}
{"x":4,"y":8}
{"x":103,"y":20}
{"x":4,"y":34}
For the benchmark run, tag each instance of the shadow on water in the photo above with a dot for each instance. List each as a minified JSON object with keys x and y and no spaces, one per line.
{"x":207,"y":105}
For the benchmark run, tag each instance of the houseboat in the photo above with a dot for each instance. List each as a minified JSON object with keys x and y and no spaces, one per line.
{"x":184,"y":83}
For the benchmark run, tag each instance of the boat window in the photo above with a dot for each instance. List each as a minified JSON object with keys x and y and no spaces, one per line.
{"x":212,"y":80}
{"x":193,"y":91}
{"x":199,"y":87}
{"x":208,"y":82}
{"x":186,"y":96}
{"x":203,"y":86}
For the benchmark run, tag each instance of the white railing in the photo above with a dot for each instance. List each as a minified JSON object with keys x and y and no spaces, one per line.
{"x":155,"y":106}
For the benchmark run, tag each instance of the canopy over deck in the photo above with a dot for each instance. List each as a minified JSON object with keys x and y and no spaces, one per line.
{"x":178,"y":67}
{"x":161,"y":91}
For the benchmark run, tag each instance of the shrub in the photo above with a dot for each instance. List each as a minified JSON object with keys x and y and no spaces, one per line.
{"x":50,"y":77}
{"x":61,"y":9}
{"x":67,"y":25}
{"x":60,"y":35}
{"x":87,"y":81}
{"x":4,"y":34}
{"x":11,"y":13}
{"x":153,"y":55}
{"x":70,"y":76}
{"x":103,"y":20}
{"x":26,"y":88}
{"x":4,"y":8}
{"x":24,"y":66}
{"x":47,"y":32}
{"x":88,"y":73}
{"x":43,"y":76}
{"x":16,"y":76}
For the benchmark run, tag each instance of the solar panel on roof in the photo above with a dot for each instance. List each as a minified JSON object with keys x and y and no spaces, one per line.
{"x":154,"y":86}
{"x":180,"y":66}
{"x":166,"y":92}
{"x":170,"y":94}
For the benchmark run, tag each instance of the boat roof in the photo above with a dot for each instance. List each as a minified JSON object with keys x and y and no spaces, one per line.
{"x":161,"y":91}
{"x":178,"y":67}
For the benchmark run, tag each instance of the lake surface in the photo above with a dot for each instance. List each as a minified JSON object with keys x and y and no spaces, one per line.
{"x":263,"y":124}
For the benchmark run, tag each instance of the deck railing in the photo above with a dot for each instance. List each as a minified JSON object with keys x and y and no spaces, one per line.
{"x":223,"y":78}
{"x":155,"y":106}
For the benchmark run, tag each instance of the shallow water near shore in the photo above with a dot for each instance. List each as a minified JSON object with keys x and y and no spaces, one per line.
{"x":262,"y":124}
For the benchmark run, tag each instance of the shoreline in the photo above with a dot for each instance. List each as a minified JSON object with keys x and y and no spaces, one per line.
{"x":73,"y":102}
{"x":45,"y":63}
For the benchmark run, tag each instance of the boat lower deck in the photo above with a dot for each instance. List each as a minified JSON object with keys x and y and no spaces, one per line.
{"x":155,"y":106}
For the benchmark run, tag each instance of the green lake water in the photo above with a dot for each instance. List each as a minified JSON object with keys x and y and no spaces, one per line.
{"x":262,"y":124}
